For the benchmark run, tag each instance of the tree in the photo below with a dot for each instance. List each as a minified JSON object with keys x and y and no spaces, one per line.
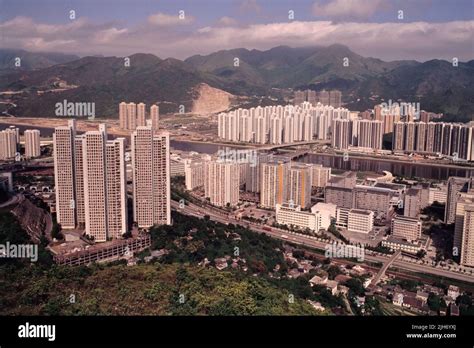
{"x":421,"y":253}
{"x":56,"y":231}
{"x":464,"y":300}
{"x":333,"y":271}
{"x":332,"y":228}
{"x":435,"y":302}
{"x":356,"y":286}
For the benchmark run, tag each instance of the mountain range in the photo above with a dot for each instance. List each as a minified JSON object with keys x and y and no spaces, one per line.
{"x":30,"y":60}
{"x":48,"y":78}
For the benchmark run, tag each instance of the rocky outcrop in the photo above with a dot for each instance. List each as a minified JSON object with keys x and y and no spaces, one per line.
{"x":210,"y":100}
{"x":34,"y":220}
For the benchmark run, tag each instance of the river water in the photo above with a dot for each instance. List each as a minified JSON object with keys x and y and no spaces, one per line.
{"x":408,"y":170}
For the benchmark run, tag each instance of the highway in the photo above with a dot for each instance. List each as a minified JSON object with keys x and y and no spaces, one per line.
{"x":314,"y":242}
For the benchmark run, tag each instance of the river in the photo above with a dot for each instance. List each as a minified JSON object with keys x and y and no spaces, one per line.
{"x":374,"y":165}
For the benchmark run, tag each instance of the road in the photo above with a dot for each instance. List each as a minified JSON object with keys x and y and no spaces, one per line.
{"x":314,"y":242}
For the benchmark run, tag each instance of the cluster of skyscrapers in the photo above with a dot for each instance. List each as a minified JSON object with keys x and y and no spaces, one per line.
{"x":279,"y":124}
{"x":359,"y":133}
{"x":309,"y":120}
{"x":332,"y":98}
{"x":133,"y":115}
{"x":460,"y":211}
{"x":10,"y":139}
{"x":276,"y":180}
{"x":91,"y":180}
{"x":449,"y":139}
{"x":91,"y":190}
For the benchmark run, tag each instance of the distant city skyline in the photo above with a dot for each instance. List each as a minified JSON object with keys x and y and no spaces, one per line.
{"x":428,"y":30}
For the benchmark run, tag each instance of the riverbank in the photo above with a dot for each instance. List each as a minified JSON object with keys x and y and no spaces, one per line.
{"x":396,"y":160}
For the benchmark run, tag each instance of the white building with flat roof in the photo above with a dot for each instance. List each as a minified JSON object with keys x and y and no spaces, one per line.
{"x":360,"y":220}
{"x":327,"y":212}
{"x":406,"y":228}
{"x":294,"y":216}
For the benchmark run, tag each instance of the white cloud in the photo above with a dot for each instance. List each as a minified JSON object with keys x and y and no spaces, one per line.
{"x":349,"y":9}
{"x":227,"y":21}
{"x":165,"y":20}
{"x":388,"y":41}
{"x":109,"y":35}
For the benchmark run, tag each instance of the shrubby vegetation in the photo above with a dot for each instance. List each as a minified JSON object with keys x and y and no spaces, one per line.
{"x":141,"y":290}
{"x":148,"y":289}
{"x":11,"y":231}
{"x":192,"y":240}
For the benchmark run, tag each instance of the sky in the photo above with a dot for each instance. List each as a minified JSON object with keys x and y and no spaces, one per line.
{"x":386,"y":29}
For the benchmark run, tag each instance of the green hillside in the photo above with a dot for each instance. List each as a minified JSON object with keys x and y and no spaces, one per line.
{"x":365,"y":81}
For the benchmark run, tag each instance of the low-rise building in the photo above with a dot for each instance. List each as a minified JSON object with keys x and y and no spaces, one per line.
{"x":221,"y":263}
{"x":294,"y":216}
{"x":407,"y":228}
{"x":360,"y":220}
{"x":327,"y":213}
{"x":331,"y":285}
{"x":397,"y":299}
{"x":422,"y":295}
{"x":318,"y":280}
{"x":398,"y":244}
